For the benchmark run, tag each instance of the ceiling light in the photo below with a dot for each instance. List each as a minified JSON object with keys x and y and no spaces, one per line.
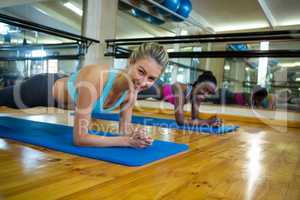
{"x":38,"y":53}
{"x":184,"y":32}
{"x":227,"y":67}
{"x":290,"y":64}
{"x":290,"y":22}
{"x":264,"y":45}
{"x":40,"y":10}
{"x":3,"y":28}
{"x":245,"y":26}
{"x":298,"y":79}
{"x":262,"y":65}
{"x":74,"y":8}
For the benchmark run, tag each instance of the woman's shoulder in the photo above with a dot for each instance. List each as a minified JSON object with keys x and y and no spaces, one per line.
{"x":179,"y":84}
{"x":95,"y":68}
{"x":93,"y":72}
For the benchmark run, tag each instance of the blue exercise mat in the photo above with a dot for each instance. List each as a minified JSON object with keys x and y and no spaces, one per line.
{"x":167,"y":123}
{"x":59,"y":137}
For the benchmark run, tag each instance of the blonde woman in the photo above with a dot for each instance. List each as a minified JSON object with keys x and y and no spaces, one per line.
{"x":95,"y":89}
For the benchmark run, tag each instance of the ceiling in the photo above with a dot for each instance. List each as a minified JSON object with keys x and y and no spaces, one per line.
{"x":239,"y":15}
{"x":217,"y":15}
{"x":236,"y":15}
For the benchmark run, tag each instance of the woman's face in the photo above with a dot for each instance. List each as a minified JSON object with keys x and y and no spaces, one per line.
{"x":204,"y":89}
{"x":144,"y":72}
{"x":258,"y":99}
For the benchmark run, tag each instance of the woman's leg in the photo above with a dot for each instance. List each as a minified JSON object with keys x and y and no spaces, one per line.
{"x":227,"y":97}
{"x":7,"y":97}
{"x":223,"y":96}
{"x":216,"y":98}
{"x":35,"y":91}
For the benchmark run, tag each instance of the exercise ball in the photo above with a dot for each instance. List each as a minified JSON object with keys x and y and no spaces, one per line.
{"x":238,"y":47}
{"x":149,"y":18}
{"x":184,"y":10}
{"x":7,"y":38}
{"x":171,"y":4}
{"x":242,"y":47}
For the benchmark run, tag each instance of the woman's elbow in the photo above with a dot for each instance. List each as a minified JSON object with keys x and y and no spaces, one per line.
{"x":179,"y":121}
{"x":179,"y":117}
{"x":79,"y":140}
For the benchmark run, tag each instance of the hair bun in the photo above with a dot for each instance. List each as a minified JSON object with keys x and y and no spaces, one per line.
{"x":205,"y":76}
{"x":207,"y":73}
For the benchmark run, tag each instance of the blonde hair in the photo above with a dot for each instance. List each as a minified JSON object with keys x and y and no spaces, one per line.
{"x":150,"y":50}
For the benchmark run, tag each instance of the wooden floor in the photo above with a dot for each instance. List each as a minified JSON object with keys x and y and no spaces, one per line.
{"x":256,"y":162}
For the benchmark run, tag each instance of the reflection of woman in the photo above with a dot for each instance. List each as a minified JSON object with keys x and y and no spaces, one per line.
{"x":225,"y":96}
{"x":95,"y":89}
{"x":283,"y":99}
{"x":180,"y":94}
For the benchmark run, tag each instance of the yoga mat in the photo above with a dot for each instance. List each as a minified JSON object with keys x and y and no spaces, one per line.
{"x":167,"y":123}
{"x":59,"y":137}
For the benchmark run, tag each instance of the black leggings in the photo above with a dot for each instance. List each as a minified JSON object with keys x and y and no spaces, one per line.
{"x":35,"y":91}
{"x":153,"y":92}
{"x":223,"y":96}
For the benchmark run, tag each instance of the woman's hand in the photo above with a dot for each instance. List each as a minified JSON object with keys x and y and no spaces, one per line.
{"x":138,"y":138}
{"x":214,"y":121}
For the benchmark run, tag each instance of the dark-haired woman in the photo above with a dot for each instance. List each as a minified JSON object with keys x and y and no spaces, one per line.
{"x":179,"y":94}
{"x":258,"y":98}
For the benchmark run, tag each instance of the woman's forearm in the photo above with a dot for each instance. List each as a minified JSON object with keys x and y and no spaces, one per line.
{"x":124,"y":126}
{"x":81,"y":137}
{"x":196,"y":122}
{"x":180,"y":120}
{"x":195,"y":111}
{"x":100,"y":141}
{"x":125,"y":120}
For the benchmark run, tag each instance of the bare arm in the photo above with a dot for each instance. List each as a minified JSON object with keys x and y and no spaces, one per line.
{"x":83,"y":138}
{"x":137,"y":137}
{"x":195,"y":110}
{"x":194,"y":121}
{"x":181,"y":120}
{"x":87,"y":96}
{"x":179,"y":112}
{"x":125,"y":117}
